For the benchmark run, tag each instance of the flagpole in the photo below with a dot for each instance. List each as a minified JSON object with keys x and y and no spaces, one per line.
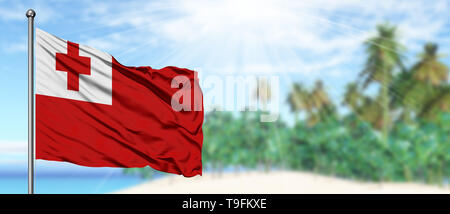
{"x":30,"y":15}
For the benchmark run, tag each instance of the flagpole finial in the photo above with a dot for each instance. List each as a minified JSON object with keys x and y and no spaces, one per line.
{"x":30,"y":13}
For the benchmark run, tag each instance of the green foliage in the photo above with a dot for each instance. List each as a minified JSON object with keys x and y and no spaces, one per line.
{"x":401,"y":134}
{"x":314,"y":102}
{"x":423,"y":90}
{"x":242,"y":141}
{"x":347,"y":147}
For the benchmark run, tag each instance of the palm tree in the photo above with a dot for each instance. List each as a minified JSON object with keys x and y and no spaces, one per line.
{"x":321,"y":101}
{"x":429,"y":69}
{"x":371,"y":111}
{"x":432,"y":76}
{"x":315,"y":103}
{"x":353,"y":96}
{"x":263,"y":92}
{"x":298,"y":100}
{"x":319,"y":96}
{"x":320,"y":104}
{"x":423,"y":88}
{"x":383,"y":59}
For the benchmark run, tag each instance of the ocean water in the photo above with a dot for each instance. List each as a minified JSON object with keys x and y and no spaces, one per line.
{"x":65,"y":178}
{"x":68,"y":185}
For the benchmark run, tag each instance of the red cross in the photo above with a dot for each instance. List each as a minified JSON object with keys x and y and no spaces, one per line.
{"x":73,"y":64}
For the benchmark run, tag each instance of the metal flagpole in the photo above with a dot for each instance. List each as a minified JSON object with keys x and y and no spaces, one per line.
{"x":30,"y":15}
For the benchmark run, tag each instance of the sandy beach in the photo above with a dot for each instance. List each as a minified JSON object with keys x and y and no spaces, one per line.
{"x":276,"y":182}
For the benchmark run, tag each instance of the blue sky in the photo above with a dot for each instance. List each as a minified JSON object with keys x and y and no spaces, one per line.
{"x":295,"y":40}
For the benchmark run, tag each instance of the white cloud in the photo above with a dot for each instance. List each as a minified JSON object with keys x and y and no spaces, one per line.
{"x":268,"y":33}
{"x":13,"y":151}
{"x":7,"y":14}
{"x":15,"y":11}
{"x":308,"y":37}
{"x":13,"y":147}
{"x":16,"y":47}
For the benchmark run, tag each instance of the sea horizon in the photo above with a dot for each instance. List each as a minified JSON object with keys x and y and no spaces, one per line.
{"x":64,"y":178}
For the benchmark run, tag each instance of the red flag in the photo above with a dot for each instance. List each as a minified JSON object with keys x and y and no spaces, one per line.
{"x":93,"y":111}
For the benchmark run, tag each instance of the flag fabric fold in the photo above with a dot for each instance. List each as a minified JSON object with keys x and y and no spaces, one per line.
{"x":93,"y":111}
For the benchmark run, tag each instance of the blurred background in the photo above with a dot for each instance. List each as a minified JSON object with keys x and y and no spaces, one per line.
{"x":362,"y":92}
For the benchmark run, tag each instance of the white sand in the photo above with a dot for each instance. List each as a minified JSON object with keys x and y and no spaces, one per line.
{"x":275,"y":182}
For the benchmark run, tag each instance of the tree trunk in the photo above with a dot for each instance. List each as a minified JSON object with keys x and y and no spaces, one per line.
{"x":385,"y":106}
